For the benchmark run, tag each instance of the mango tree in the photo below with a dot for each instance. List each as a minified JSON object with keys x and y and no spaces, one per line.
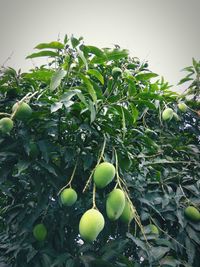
{"x":99,"y":162}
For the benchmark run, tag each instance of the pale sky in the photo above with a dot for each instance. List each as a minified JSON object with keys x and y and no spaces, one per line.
{"x":166,"y":33}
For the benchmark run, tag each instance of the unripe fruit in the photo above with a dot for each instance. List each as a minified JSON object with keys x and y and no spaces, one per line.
{"x":153,"y":229}
{"x":6,"y":125}
{"x":128,"y":213}
{"x":23,"y":112}
{"x":176,"y":116}
{"x":68,"y":197}
{"x":104,"y":174}
{"x":167,"y":114}
{"x":182,"y":106}
{"x":115,"y":204}
{"x":91,"y":224}
{"x":40,"y":232}
{"x":116,"y":72}
{"x":192,"y":214}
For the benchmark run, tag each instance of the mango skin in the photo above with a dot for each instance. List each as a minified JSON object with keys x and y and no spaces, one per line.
{"x":40,"y":232}
{"x":6,"y":125}
{"x":176,"y":117}
{"x":182,"y":107}
{"x":104,"y":174}
{"x":167,"y":114}
{"x":115,"y":204}
{"x":68,"y":197}
{"x":23,"y":112}
{"x":192,"y":214}
{"x":154,"y":229}
{"x":128,"y":214}
{"x":91,"y":224}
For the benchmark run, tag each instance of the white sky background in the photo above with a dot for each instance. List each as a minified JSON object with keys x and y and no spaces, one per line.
{"x":166,"y":33}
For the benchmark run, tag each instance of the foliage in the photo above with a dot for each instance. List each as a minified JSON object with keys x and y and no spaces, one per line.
{"x":193,"y":76}
{"x":77,"y":107}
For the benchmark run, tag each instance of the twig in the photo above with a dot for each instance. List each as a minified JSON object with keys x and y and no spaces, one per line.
{"x":5,"y":114}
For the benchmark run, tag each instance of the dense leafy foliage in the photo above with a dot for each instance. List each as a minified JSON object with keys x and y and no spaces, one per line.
{"x":79,"y":105}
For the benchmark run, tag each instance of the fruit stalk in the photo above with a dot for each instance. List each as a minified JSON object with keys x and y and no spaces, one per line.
{"x":99,"y":160}
{"x":70,"y":181}
{"x":93,"y":197}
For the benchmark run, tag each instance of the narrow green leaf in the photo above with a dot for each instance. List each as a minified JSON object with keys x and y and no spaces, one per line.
{"x":68,"y":103}
{"x":94,"y":50}
{"x":92,"y":111}
{"x":51,"y":45}
{"x":97,"y":74}
{"x":135,"y":112}
{"x":81,"y":55}
{"x":82,"y":98}
{"x":116,"y":54}
{"x":75,"y":42}
{"x":56,"y":79}
{"x":56,"y":106}
{"x":145,"y":103}
{"x":146,"y":76}
{"x":46,"y":53}
{"x":69,"y":94}
{"x":90,"y":87}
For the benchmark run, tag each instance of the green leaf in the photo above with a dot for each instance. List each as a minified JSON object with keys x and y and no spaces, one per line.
{"x":135,"y":112}
{"x":159,"y":252}
{"x":97,"y":74}
{"x":92,"y":111}
{"x":109,"y":55}
{"x":116,"y":54}
{"x":89,"y":86}
{"x":51,"y":45}
{"x":56,"y":106}
{"x":145,"y":103}
{"x":44,"y":75}
{"x":146,"y":76}
{"x":81,"y":55}
{"x":94,"y":50}
{"x":75,"y":42}
{"x":22,"y":166}
{"x":56,"y":79}
{"x":46,"y":53}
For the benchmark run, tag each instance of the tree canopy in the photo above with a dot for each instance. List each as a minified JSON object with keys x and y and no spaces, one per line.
{"x":85,"y":106}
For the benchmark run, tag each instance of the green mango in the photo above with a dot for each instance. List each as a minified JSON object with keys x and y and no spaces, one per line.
{"x":153,"y":229}
{"x":104,"y":174}
{"x":40,"y":232}
{"x":167,"y":114}
{"x":23,"y":111}
{"x":115,"y":204}
{"x":68,"y":197}
{"x":176,"y":117}
{"x":6,"y":125}
{"x":192,"y":214}
{"x":128,"y":213}
{"x":91,"y":224}
{"x":182,"y":106}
